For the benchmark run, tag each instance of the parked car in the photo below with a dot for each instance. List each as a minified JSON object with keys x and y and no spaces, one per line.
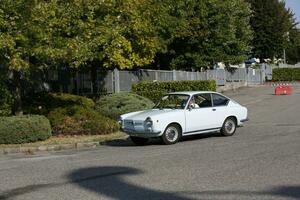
{"x":181,"y":114}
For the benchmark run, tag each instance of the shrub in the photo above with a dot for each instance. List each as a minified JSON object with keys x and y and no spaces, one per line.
{"x":286,"y":74}
{"x":117,"y":104}
{"x":6,"y":100}
{"x":23,"y":129}
{"x":154,"y":90}
{"x":43,"y":103}
{"x":70,"y":114}
{"x":78,"y":120}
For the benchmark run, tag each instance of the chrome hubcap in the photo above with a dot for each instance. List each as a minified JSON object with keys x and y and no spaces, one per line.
{"x":229,"y":126}
{"x":171,"y":134}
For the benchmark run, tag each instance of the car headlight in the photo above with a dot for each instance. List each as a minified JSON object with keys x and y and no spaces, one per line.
{"x":120,"y":121}
{"x":148,"y":122}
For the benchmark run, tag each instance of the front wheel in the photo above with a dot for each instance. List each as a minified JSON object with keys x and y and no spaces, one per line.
{"x":229,"y":127}
{"x":139,"y":140}
{"x":172,"y":134}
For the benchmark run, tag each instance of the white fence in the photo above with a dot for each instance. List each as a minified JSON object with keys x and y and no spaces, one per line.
{"x":121,"y":81}
{"x":115,"y":81}
{"x":281,"y":65}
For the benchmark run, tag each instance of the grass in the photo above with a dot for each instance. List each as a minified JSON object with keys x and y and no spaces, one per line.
{"x":56,"y":140}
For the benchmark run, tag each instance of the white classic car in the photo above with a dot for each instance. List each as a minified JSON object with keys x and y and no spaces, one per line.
{"x":185,"y":113}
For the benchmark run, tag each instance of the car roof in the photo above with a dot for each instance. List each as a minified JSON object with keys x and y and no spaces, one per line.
{"x":190,"y":93}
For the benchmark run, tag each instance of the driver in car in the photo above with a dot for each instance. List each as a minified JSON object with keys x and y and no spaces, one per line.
{"x":192,"y":104}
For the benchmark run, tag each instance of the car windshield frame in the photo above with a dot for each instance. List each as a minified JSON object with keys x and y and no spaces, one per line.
{"x":181,"y":106}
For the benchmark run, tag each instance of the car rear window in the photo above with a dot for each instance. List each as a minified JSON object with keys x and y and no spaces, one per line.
{"x":219,"y":100}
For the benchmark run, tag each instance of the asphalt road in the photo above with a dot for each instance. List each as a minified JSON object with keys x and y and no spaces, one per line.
{"x":261,"y":161}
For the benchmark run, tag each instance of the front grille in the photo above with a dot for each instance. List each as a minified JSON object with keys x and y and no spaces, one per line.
{"x":138,"y":123}
{"x":128,"y":124}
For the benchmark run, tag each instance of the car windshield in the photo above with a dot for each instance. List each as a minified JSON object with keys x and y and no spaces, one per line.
{"x":173,"y":101}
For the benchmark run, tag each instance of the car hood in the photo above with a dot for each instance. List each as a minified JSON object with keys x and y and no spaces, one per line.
{"x":147,"y":113}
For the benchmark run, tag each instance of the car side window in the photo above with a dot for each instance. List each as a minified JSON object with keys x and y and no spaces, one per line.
{"x":202,"y":100}
{"x":219,"y":100}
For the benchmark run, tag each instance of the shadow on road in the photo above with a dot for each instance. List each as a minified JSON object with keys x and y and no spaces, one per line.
{"x":200,"y":137}
{"x":157,"y":141}
{"x":115,"y":186}
{"x":128,"y":143}
{"x":106,"y":181}
{"x":110,"y":181}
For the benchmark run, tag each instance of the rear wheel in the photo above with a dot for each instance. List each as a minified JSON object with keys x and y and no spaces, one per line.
{"x":139,"y":140}
{"x":229,"y":127}
{"x":172,"y":134}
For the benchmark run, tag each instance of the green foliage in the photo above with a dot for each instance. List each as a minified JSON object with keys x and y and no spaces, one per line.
{"x":43,"y":103}
{"x":19,"y":39}
{"x":38,"y":34}
{"x":70,"y":114}
{"x":271,"y":22}
{"x":293,"y":50}
{"x":115,"y":105}
{"x":77,"y":120}
{"x":6,"y":100}
{"x":24,"y":129}
{"x":15,"y":33}
{"x":154,"y":90}
{"x":207,"y":32}
{"x":117,"y":33}
{"x":286,"y":74}
{"x":124,"y":34}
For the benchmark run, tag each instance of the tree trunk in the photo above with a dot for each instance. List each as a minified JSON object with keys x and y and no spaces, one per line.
{"x":94,"y":80}
{"x":17,"y":109}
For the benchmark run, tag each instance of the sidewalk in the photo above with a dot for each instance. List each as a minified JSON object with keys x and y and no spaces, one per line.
{"x":59,"y":144}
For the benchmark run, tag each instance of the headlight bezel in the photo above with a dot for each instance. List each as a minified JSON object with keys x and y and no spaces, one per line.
{"x":148,"y":122}
{"x":120,"y":121}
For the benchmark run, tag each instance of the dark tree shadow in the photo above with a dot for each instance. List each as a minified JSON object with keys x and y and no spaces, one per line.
{"x":114,"y":185}
{"x":105,"y":181}
{"x":110,"y":181}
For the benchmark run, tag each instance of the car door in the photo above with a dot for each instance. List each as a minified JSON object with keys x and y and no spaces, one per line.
{"x":199,"y":117}
{"x":220,"y":109}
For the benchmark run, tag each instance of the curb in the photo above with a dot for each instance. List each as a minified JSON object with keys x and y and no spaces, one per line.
{"x":279,"y":83}
{"x":232,"y":87}
{"x":50,"y":148}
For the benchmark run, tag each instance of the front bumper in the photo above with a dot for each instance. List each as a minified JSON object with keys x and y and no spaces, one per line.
{"x":241,"y":124}
{"x":140,"y":133}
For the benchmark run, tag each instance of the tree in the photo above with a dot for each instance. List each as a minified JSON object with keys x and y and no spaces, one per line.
{"x":208,"y":32}
{"x":16,"y":41}
{"x":115,"y":33}
{"x":271,"y":23}
{"x":122,"y":34}
{"x":119,"y":33}
{"x":293,"y":49}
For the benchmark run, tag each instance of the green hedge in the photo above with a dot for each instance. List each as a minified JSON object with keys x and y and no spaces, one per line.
{"x":77,"y":120}
{"x":70,"y":114}
{"x":117,"y":104}
{"x":286,"y":74}
{"x":154,"y":90}
{"x":43,"y":103}
{"x":24,"y":129}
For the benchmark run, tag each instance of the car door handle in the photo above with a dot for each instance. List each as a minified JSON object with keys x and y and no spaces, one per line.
{"x":214,"y":109}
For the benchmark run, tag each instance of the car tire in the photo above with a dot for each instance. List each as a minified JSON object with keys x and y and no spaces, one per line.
{"x":172,"y":134}
{"x":139,"y":140}
{"x":229,"y":127}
